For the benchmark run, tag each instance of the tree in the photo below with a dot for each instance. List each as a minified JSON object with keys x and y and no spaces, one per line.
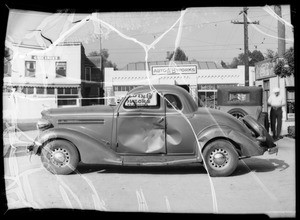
{"x":254,"y":57}
{"x":285,"y":66}
{"x":224,"y":65}
{"x":179,"y":55}
{"x":104,"y":56}
{"x":271,"y":54}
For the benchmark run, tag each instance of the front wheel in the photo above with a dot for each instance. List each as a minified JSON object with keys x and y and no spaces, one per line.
{"x":60,"y":157}
{"x":220,"y":157}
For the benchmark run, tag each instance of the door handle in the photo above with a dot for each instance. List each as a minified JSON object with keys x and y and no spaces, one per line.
{"x":159,"y":123}
{"x":160,"y":120}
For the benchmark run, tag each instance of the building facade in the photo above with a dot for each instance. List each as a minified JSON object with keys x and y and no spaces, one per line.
{"x":200,"y":79}
{"x":268,"y":80}
{"x":41,"y":78}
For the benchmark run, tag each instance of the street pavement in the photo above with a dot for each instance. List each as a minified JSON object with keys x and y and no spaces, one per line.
{"x":260,"y":185}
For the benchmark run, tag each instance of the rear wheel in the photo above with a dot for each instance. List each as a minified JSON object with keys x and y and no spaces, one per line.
{"x":60,"y":157}
{"x":220,"y":157}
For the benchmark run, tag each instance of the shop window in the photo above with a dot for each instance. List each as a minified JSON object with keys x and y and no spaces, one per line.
{"x":88,"y":74}
{"x":74,"y":91}
{"x":207,"y":99}
{"x":290,"y":103}
{"x":30,"y":68}
{"x":61,"y":69}
{"x":40,"y":90}
{"x":67,"y":90}
{"x":60,"y":91}
{"x":67,"y":101}
{"x":50,"y":91}
{"x":28,"y":90}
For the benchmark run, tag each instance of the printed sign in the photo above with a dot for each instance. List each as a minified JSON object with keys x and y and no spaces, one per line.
{"x":166,"y":70}
{"x":35,"y":57}
{"x":264,"y":69}
{"x":142,"y":99}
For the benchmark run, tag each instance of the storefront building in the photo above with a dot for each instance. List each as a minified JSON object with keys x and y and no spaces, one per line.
{"x":42,"y":78}
{"x":268,"y":80}
{"x":200,"y":79}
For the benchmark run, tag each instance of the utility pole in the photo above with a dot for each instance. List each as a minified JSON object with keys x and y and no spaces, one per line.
{"x":280,"y":35}
{"x":246,"y":51}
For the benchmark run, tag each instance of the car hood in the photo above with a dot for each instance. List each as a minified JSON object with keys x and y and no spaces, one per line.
{"x":84,"y":111}
{"x":208,"y":117}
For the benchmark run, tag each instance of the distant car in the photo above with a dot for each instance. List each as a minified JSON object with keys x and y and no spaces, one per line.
{"x":156,"y":126}
{"x":243,"y":100}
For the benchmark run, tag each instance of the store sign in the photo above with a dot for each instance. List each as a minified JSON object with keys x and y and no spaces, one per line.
{"x":264,"y":69}
{"x":35,"y":57}
{"x":167,"y":70}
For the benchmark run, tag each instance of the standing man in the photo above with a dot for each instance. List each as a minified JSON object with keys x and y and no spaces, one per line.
{"x":276,"y":101}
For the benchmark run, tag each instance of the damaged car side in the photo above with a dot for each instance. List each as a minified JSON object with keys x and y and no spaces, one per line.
{"x":152,"y":126}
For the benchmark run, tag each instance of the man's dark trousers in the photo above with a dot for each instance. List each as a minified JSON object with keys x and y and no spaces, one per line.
{"x":276,"y":115}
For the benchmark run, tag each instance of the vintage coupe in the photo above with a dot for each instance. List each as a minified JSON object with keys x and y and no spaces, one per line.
{"x":151,"y":126}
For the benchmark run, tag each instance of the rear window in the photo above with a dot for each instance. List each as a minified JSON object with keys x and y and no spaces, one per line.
{"x":238,"y":97}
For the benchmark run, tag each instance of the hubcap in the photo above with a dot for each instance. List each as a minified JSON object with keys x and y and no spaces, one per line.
{"x":218,"y":158}
{"x":60,"y":157}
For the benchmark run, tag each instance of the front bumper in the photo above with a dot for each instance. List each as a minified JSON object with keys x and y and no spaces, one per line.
{"x":33,"y":147}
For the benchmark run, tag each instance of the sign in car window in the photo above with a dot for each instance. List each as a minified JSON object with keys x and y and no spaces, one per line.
{"x":142,"y":100}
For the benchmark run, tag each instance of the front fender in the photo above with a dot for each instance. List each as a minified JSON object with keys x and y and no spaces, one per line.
{"x":248,"y":145}
{"x":90,"y":149}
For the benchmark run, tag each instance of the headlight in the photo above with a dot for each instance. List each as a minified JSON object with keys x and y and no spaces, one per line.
{"x":43,"y":124}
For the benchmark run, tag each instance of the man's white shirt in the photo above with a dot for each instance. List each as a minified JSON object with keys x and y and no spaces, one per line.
{"x":276,"y":101}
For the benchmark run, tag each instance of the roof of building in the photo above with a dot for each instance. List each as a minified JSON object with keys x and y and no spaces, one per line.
{"x":142,"y":65}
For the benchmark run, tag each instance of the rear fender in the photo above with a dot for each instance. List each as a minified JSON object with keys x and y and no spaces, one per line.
{"x":248,"y":146}
{"x":91,"y":150}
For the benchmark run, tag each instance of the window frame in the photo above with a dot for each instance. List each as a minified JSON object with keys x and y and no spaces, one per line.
{"x":29,"y":73}
{"x":57,"y":75}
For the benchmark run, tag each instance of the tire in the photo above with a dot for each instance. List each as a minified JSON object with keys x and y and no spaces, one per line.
{"x":220,"y":157}
{"x":60,"y":157}
{"x":237,"y":112}
{"x":263,"y":120}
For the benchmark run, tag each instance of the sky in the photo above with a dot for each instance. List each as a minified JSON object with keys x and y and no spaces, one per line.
{"x":203,"y":33}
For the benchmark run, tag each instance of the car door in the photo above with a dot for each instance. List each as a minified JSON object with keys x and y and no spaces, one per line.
{"x":180,"y":139}
{"x":141,"y":125}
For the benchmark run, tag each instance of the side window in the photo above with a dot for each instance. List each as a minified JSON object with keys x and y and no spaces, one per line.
{"x":150,"y":100}
{"x":173,"y":101}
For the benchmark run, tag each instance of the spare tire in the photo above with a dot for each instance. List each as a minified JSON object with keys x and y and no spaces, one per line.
{"x":237,"y":112}
{"x":259,"y":130}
